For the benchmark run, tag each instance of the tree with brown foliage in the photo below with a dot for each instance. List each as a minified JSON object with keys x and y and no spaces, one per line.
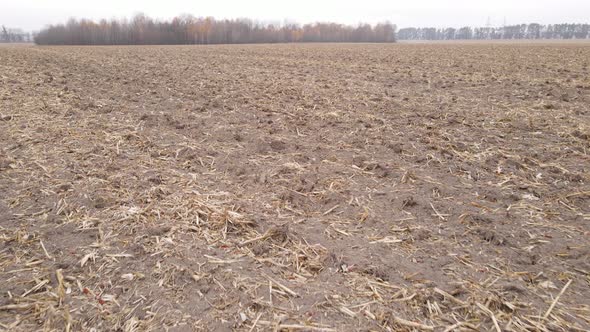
{"x":188,"y":29}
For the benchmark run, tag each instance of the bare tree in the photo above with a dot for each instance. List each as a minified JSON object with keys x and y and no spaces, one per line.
{"x":9,"y":35}
{"x":5,"y":37}
{"x":520,"y":31}
{"x":187,"y":29}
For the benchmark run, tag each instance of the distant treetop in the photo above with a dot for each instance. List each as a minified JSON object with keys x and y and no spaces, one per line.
{"x":521,"y":31}
{"x":188,"y":29}
{"x":9,"y":35}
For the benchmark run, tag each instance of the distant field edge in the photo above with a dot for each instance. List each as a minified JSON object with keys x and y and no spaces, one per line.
{"x":213,"y":44}
{"x":495,"y":41}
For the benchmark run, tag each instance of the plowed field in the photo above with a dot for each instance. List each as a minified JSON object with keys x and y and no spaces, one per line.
{"x":309,"y":187}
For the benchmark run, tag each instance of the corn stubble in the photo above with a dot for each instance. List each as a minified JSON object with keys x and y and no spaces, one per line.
{"x":295,"y":188}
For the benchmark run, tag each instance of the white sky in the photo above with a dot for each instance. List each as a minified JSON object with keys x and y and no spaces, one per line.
{"x":35,"y":14}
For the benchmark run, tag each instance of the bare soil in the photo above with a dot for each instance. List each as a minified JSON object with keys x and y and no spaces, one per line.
{"x":295,"y":188}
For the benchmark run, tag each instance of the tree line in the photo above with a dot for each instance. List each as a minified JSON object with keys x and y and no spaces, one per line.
{"x":520,"y":31}
{"x":187,"y":29}
{"x":8,"y":35}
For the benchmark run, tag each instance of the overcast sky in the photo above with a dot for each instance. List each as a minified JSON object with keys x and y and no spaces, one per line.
{"x":35,"y":14}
